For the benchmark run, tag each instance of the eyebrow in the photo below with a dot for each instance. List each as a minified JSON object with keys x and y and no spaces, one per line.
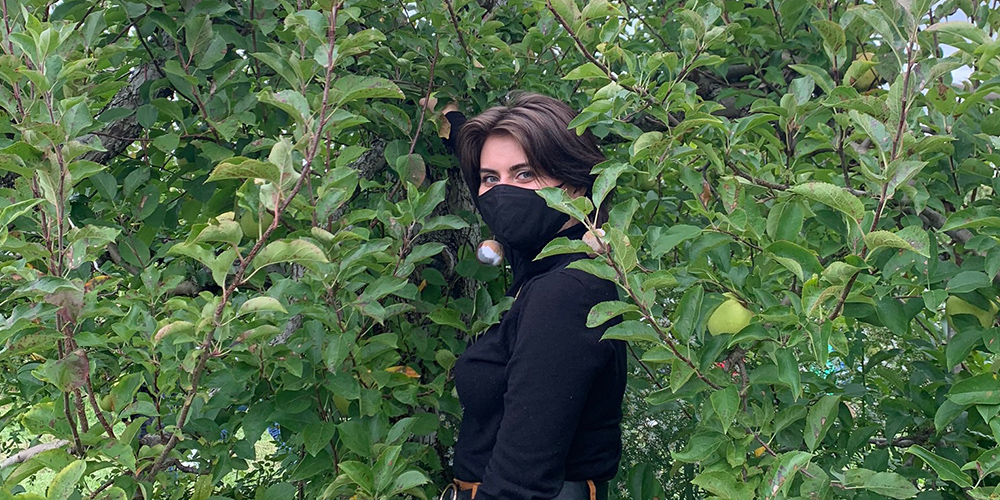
{"x":517,"y":166}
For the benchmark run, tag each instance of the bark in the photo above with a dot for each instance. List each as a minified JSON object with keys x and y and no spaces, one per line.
{"x":457,"y":201}
{"x":119,"y":135}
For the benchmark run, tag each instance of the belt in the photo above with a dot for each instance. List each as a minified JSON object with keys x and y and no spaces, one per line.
{"x":571,"y":490}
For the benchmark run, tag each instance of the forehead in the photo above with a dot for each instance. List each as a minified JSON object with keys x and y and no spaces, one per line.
{"x":501,"y":151}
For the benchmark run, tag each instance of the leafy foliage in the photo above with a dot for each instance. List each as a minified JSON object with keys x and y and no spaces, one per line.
{"x":224,"y":217}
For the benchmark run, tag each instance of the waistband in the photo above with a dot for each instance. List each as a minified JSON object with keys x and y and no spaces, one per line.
{"x":571,"y":490}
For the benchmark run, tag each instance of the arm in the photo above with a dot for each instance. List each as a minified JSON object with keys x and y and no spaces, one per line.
{"x":554,"y":362}
{"x":455,"y":120}
{"x":454,"y":116}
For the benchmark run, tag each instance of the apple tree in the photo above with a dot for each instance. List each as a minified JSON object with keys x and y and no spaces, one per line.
{"x":237,"y":259}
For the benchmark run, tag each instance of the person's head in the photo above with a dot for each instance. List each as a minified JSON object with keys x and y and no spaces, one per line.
{"x":527,"y":143}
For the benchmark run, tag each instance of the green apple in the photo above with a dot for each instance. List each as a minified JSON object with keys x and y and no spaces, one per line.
{"x":955,"y":305}
{"x":251,"y":228}
{"x":106,"y":403}
{"x":730,"y":317}
{"x":867,"y":80}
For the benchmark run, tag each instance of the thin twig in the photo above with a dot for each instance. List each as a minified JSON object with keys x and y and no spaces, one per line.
{"x":427,"y":95}
{"x":649,"y":372}
{"x":454,"y":22}
{"x":642,"y":19}
{"x":97,"y":409}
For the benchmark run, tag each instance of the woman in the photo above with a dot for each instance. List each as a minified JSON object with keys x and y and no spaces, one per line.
{"x":541,"y":392}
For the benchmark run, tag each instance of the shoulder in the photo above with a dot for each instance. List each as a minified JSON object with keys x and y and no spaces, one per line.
{"x":569,"y":287}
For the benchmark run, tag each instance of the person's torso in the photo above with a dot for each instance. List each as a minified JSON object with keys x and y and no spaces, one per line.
{"x":481,"y":381}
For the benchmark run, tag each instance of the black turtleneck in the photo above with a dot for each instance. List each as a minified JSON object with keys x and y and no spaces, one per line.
{"x":541,"y":392}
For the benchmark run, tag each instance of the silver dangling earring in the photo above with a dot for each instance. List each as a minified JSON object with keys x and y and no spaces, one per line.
{"x":490,"y":252}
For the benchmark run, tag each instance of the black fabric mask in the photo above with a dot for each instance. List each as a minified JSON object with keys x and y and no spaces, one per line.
{"x":520,"y":219}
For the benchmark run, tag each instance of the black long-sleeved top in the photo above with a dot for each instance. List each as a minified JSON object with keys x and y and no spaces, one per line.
{"x":541,"y":392}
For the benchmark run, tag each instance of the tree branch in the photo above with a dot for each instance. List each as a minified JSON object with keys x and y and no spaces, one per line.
{"x":27,"y":454}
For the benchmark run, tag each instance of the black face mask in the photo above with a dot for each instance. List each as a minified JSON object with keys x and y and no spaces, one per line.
{"x":520,"y":218}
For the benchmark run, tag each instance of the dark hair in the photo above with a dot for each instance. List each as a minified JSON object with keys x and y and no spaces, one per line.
{"x":540,"y":125}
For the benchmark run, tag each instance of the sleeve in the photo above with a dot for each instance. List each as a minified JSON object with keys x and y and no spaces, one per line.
{"x":456,"y":119}
{"x":553,"y":364}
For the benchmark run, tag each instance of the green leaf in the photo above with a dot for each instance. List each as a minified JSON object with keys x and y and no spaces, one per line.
{"x":224,"y":231}
{"x":946,"y":413}
{"x":891,"y":313}
{"x":723,"y":485}
{"x":406,"y":481}
{"x":358,"y":473}
{"x":880,"y":239}
{"x":443,"y":222}
{"x":167,"y":142}
{"x":887,"y":484}
{"x":968,"y":281}
{"x":359,"y":42}
{"x":584,"y":71}
{"x":833,"y":35}
{"x":726,"y":404}
{"x":261,"y":304}
{"x":900,"y":172}
{"x":68,"y":373}
{"x":688,"y":312}
{"x":594,"y":267}
{"x":288,"y":100}
{"x":11,"y":212}
{"x":875,"y":129}
{"x":301,"y":252}
{"x":222,"y":265}
{"x":632,"y":331}
{"x":945,"y":469}
{"x":975,"y":217}
{"x":605,"y":311}
{"x":821,"y":417}
{"x":353,"y":87}
{"x":785,"y":466}
{"x":607,"y":180}
{"x":981,"y":389}
{"x":239,"y":167}
{"x":833,"y":196}
{"x":280,"y":491}
{"x":622,"y":251}
{"x":788,"y":370}
{"x":963,"y":29}
{"x":960,"y":345}
{"x":319,"y":436}
{"x":701,"y":446}
{"x":64,"y":483}
{"x":448,"y":317}
{"x":563,"y":245}
{"x":174,"y":328}
{"x":558,"y":199}
{"x":988,"y":463}
{"x":197,"y":33}
{"x":799,"y":260}
{"x":218,"y":265}
{"x":112,"y":493}
{"x":664,"y":242}
{"x":819,"y":75}
{"x":784,"y":221}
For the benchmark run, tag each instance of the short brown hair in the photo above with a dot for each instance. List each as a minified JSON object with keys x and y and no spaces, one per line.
{"x":540,"y":125}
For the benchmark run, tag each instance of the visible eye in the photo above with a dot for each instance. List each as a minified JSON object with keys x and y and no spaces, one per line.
{"x":489,"y":179}
{"x":525,"y":175}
